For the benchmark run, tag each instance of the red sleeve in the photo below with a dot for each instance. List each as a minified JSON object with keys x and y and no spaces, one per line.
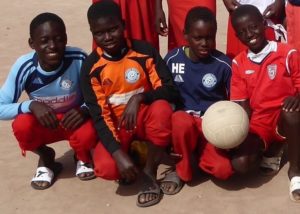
{"x":238,"y":87}
{"x":293,"y":66}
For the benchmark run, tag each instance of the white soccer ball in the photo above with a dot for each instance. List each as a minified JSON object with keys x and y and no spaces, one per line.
{"x":225,"y":124}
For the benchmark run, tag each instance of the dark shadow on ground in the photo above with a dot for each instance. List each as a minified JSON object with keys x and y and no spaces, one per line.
{"x":69,"y":166}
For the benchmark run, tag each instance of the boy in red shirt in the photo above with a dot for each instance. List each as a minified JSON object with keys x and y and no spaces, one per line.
{"x":266,"y":83}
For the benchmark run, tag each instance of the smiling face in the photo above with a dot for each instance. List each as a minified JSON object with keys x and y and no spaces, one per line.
{"x":250,"y":29}
{"x":201,"y":39}
{"x":49,"y":41}
{"x":108,"y":34}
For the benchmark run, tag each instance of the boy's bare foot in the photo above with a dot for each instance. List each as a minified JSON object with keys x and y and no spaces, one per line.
{"x":47,"y":169}
{"x":171,"y":183}
{"x":150,"y":193}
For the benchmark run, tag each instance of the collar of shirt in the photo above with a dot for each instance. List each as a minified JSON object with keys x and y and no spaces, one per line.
{"x":259,"y":57}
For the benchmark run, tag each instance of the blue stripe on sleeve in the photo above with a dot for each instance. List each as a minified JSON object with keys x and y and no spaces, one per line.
{"x":20,"y":75}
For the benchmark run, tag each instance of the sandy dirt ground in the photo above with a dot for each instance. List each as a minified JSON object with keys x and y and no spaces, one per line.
{"x":239,"y":195}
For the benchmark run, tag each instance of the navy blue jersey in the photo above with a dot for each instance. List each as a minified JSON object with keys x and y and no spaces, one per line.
{"x":203,"y":83}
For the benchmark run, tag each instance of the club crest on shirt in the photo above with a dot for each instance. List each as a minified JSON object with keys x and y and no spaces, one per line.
{"x":272,"y":70}
{"x":66,"y":84}
{"x":132,"y":75}
{"x":209,"y":80}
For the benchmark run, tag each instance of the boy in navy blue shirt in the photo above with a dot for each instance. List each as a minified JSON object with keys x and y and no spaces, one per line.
{"x":202,"y":75}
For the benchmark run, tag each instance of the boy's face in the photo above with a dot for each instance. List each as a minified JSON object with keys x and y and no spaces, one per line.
{"x":108,"y":34}
{"x":49,"y":41}
{"x":201,"y":39}
{"x":250,"y":29}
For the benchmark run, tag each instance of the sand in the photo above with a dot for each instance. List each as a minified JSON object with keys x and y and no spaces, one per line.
{"x":239,"y":195}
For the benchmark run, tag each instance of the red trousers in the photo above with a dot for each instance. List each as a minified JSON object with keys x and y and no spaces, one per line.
{"x":31,"y":135}
{"x":139,"y":20}
{"x":187,"y":135}
{"x":293,"y":25}
{"x":153,"y":125}
{"x":177,"y":13}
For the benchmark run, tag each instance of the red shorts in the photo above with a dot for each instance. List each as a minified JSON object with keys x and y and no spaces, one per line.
{"x":187,"y":135}
{"x":177,"y":14}
{"x":153,"y":125}
{"x":31,"y":135}
{"x":266,"y":127}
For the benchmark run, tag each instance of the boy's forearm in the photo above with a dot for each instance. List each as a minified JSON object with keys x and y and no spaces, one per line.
{"x":246,"y":106}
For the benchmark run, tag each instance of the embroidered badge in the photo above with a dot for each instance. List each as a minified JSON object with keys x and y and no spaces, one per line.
{"x":66,"y":84}
{"x":132,"y":75}
{"x":272,"y":70}
{"x":209,"y":80}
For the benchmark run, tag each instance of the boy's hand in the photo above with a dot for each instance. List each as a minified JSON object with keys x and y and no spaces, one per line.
{"x":231,"y":5}
{"x":291,"y":103}
{"x":72,"y":119}
{"x":274,"y":10}
{"x":127,"y":169}
{"x":129,"y":116}
{"x":44,"y":114}
{"x":160,"y":22}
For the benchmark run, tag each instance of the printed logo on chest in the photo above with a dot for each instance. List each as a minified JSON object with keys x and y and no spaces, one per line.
{"x":272,"y":71}
{"x":132,"y":75}
{"x":209,"y":80}
{"x":66,"y":84}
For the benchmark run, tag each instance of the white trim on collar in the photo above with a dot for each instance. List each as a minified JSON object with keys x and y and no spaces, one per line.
{"x":259,"y":57}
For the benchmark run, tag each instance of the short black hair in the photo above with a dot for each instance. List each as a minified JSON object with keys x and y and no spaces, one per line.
{"x":199,"y":13}
{"x":245,"y":10}
{"x":104,"y":9}
{"x":45,"y":17}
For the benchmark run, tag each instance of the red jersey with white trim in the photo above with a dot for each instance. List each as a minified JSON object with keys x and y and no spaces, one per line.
{"x":266,"y":78}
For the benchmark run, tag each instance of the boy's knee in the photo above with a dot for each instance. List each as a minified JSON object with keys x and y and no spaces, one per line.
{"x":162,"y":108}
{"x":23,"y":128}
{"x":84,"y":138}
{"x":290,"y":118}
{"x":106,"y":170}
{"x":242,"y":165}
{"x":23,"y":124}
{"x":182,"y":120}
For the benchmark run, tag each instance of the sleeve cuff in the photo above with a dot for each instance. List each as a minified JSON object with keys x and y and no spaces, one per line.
{"x":25,"y":106}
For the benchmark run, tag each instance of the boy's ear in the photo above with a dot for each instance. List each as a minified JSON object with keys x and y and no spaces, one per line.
{"x":30,"y":43}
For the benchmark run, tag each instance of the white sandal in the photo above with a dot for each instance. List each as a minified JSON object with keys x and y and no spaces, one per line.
{"x":271,"y":165}
{"x":82,"y":167}
{"x":294,"y":185}
{"x":42,"y":174}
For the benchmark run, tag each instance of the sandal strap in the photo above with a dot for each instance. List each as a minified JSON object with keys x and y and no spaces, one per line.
{"x":271,"y":163}
{"x":83,"y":168}
{"x":295,"y":184}
{"x":43,"y":174}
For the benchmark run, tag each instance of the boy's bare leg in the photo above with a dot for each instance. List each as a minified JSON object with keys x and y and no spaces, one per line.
{"x":47,"y":157}
{"x":151,"y":191}
{"x":290,"y":127}
{"x":248,"y":155}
